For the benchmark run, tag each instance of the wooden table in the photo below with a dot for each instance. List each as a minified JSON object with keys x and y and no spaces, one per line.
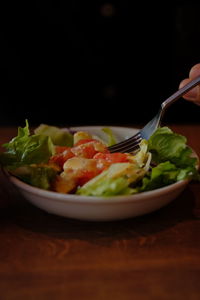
{"x":156,"y":256}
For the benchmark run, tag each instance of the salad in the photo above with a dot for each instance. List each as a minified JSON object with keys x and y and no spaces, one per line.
{"x":80,"y":163}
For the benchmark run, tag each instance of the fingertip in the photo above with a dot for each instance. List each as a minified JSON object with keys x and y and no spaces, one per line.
{"x":195,"y":71}
{"x":184,"y":82}
{"x":193,"y":94}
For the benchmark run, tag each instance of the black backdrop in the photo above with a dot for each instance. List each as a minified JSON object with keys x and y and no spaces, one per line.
{"x":97,"y":62}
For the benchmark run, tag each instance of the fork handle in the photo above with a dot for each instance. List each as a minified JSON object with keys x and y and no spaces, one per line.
{"x":180,"y":92}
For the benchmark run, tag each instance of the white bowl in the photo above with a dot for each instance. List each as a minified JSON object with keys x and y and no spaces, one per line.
{"x":100,"y":208}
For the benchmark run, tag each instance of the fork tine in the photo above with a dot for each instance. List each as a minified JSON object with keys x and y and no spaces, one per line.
{"x":130,"y":148}
{"x":132,"y":145}
{"x":127,"y":149}
{"x":125,"y":142}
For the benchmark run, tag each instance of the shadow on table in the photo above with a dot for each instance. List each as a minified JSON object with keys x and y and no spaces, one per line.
{"x":16,"y":210}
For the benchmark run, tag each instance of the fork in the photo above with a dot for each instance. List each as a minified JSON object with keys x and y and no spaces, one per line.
{"x":132,"y":144}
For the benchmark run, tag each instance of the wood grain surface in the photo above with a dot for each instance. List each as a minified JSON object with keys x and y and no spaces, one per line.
{"x":156,"y":256}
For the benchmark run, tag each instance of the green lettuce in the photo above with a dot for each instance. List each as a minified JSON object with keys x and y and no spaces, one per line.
{"x":26,"y":149}
{"x":173,"y":158}
{"x":113,"y":181}
{"x":164,"y":174}
{"x":118,"y":178}
{"x":40,"y":176}
{"x":27,"y":155}
{"x":59,"y":137}
{"x":106,"y":187}
{"x":165,"y":145}
{"x":111,"y":138}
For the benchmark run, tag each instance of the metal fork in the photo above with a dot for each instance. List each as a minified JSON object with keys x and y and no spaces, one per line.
{"x":132,"y":144}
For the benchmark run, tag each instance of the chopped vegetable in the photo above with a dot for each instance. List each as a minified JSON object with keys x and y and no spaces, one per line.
{"x":80,"y":163}
{"x":60,"y":137}
{"x":26,"y":149}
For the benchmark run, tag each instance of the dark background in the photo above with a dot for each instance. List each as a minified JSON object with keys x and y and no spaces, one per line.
{"x":97,"y":62}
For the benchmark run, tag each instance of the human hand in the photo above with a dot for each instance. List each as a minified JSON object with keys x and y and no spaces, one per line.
{"x":194,"y":94}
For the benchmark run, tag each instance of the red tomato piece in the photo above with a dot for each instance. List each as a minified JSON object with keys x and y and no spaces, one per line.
{"x":112,"y":157}
{"x":84,"y":141}
{"x":89,"y":149}
{"x":84,"y":150}
{"x":85,"y":176}
{"x":62,"y":157}
{"x":100,"y":155}
{"x":60,"y":149}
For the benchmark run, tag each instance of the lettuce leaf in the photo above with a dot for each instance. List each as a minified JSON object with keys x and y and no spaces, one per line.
{"x":116,"y":180}
{"x":111,"y":138}
{"x":59,"y":136}
{"x":106,"y":187}
{"x":174,"y":160}
{"x":165,"y":145}
{"x":25,"y":149}
{"x":40,"y":176}
{"x":26,"y":156}
{"x":162,"y":175}
{"x":113,"y":181}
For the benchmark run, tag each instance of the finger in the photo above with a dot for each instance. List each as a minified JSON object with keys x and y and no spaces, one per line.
{"x":195,"y":71}
{"x":184,"y":82}
{"x":193,"y":94}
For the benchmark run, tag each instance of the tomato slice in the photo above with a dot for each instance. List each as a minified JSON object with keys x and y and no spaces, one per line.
{"x":84,"y":141}
{"x":112,"y":157}
{"x":60,"y":149}
{"x":87,"y":148}
{"x":85,"y":175}
{"x":61,"y":157}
